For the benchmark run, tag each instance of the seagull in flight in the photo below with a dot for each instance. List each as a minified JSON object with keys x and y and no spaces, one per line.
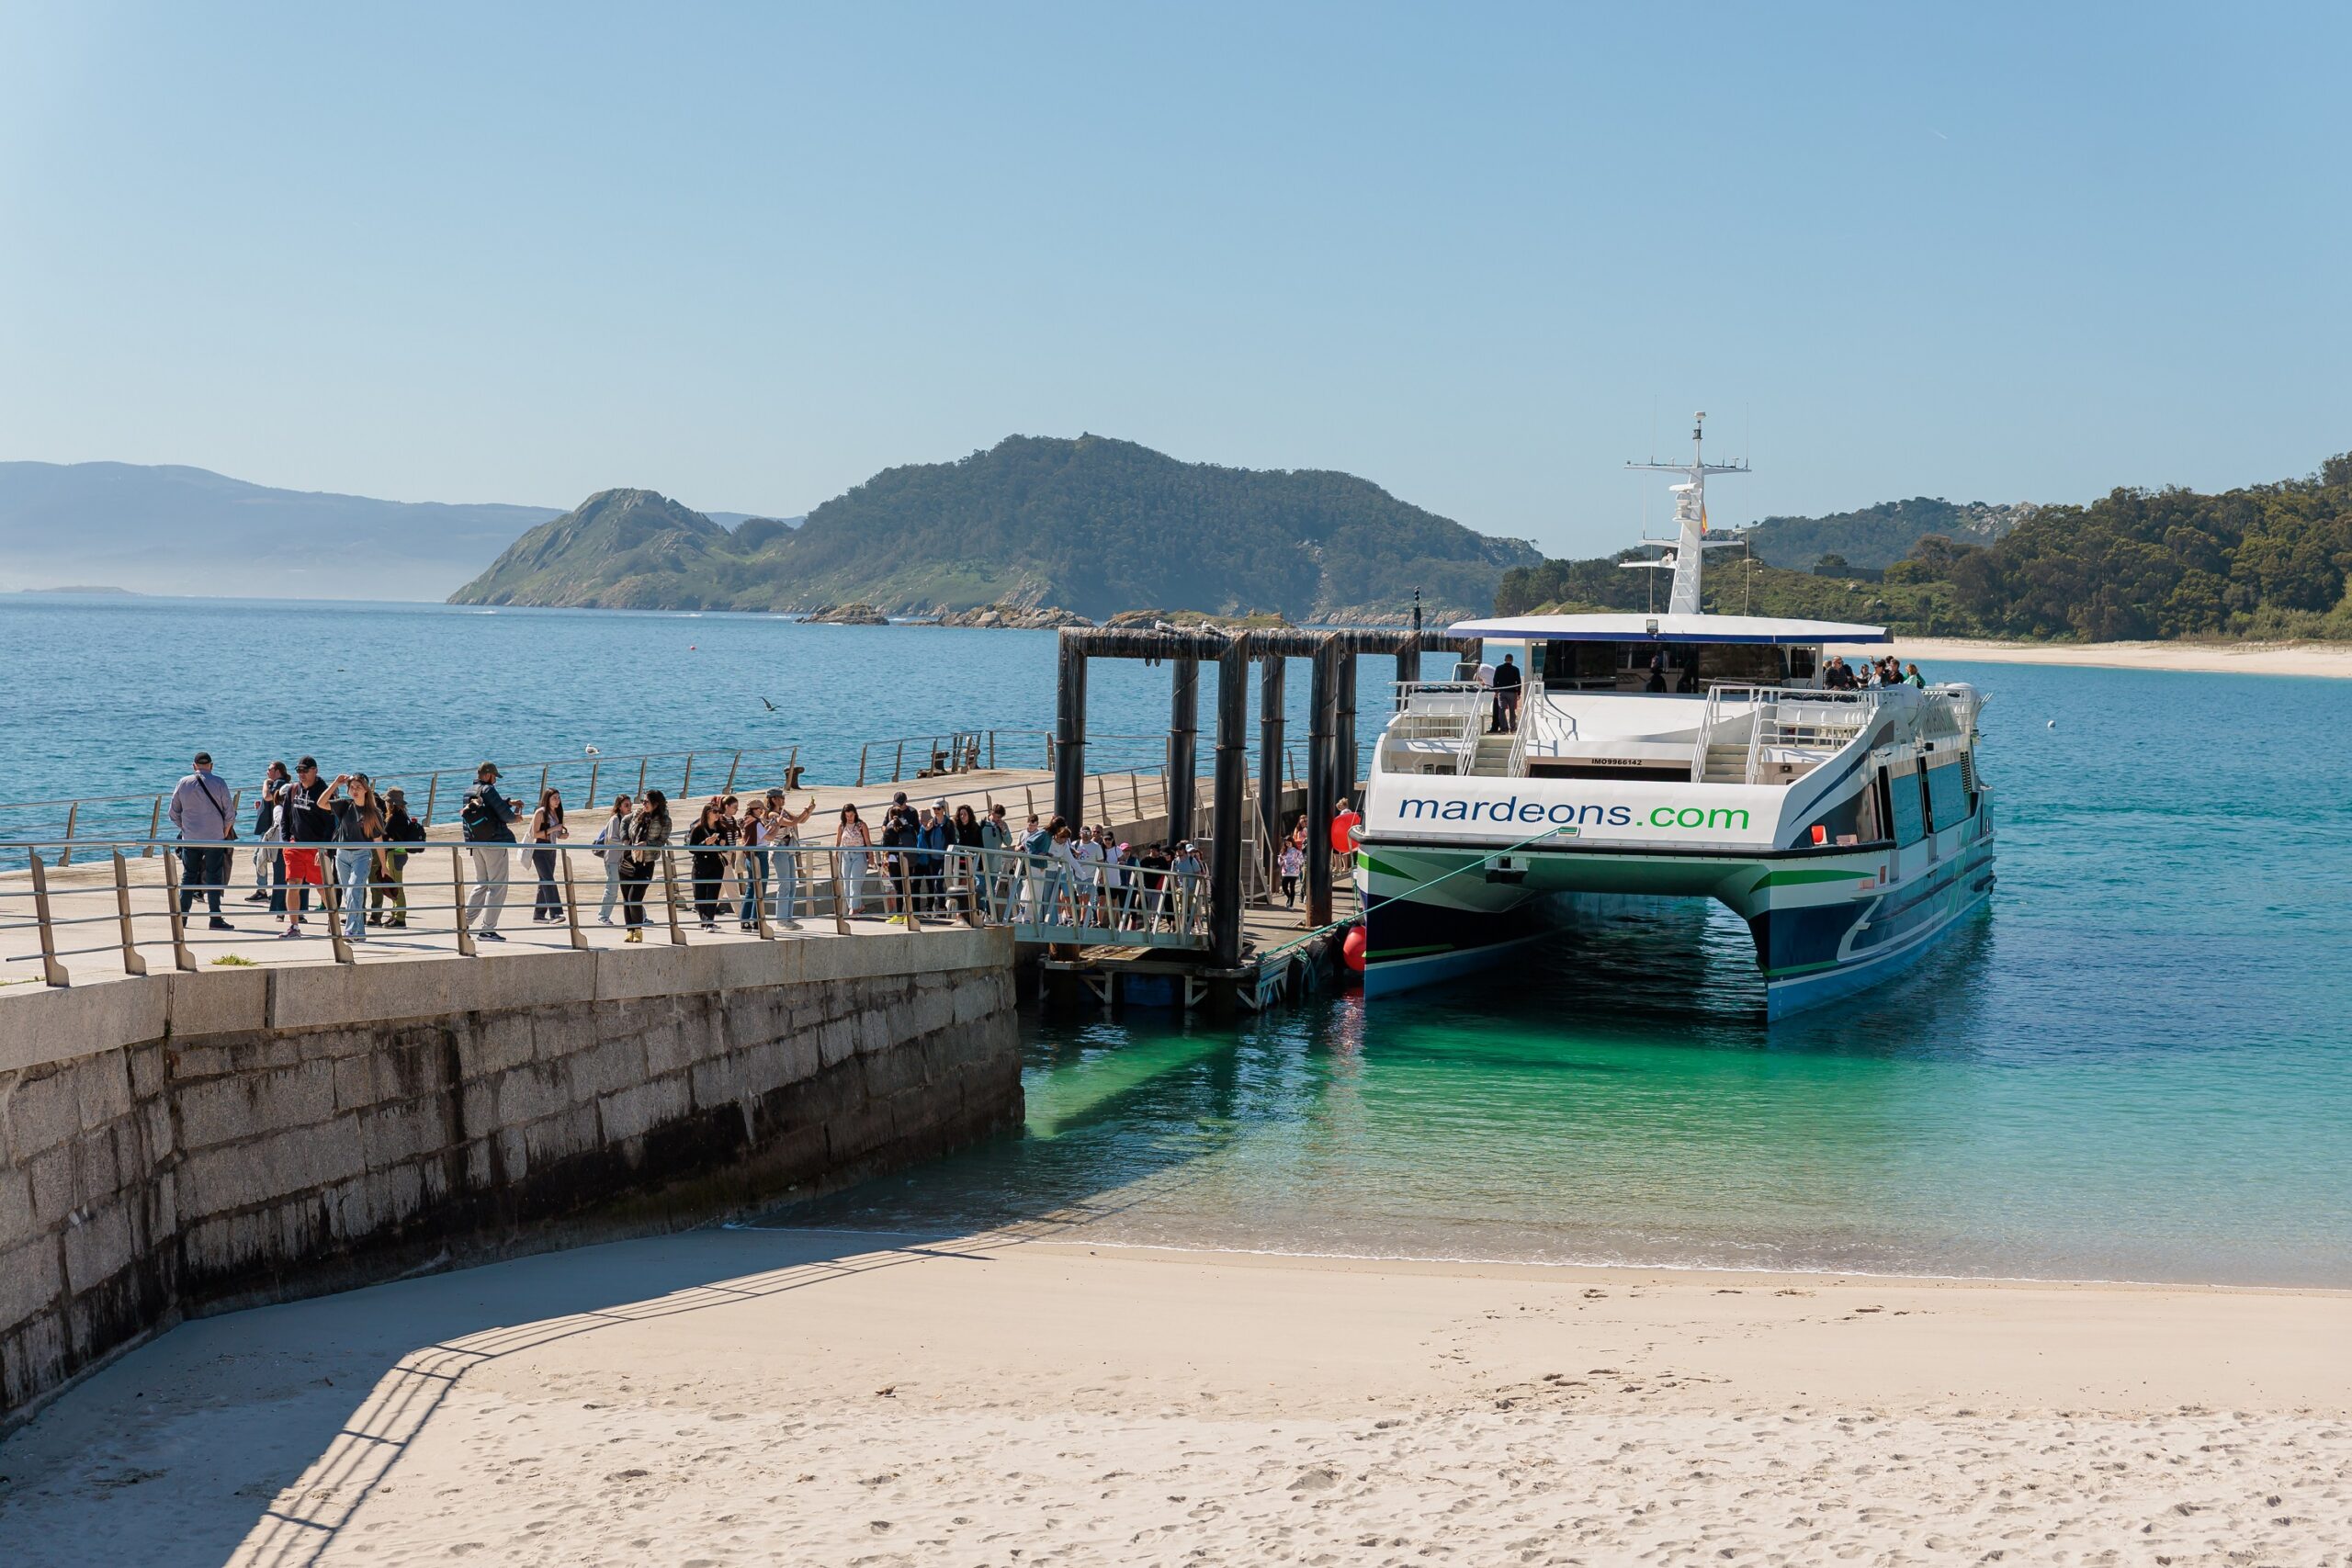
{"x":771,"y":705}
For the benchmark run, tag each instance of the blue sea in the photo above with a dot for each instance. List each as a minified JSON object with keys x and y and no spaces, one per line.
{"x":2138,"y":1064}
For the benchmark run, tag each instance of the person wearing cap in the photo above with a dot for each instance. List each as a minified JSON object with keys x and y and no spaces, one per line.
{"x":204,"y":810}
{"x":302,"y":820}
{"x":1086,"y":864}
{"x":487,"y":818}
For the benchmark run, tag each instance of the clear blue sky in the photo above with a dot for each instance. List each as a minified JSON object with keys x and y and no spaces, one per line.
{"x":1478,"y":255}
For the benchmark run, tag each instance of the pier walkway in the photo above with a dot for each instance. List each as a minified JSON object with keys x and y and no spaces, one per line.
{"x":108,"y":913}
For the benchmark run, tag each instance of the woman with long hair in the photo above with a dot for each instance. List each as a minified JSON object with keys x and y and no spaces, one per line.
{"x":710,"y":837}
{"x":547,"y":827}
{"x":854,"y":837}
{"x":783,"y":833}
{"x":647,"y":833}
{"x":753,"y":833}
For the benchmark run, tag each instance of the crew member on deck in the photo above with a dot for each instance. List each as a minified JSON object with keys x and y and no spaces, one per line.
{"x":1507,"y":685}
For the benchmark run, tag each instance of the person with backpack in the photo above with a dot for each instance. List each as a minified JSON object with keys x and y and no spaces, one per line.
{"x":203,"y":809}
{"x":388,"y":893}
{"x":488,"y":820}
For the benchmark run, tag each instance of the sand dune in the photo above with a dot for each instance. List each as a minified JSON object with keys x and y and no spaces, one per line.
{"x":732,"y":1397}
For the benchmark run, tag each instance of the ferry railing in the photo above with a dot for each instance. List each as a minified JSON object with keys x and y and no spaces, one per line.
{"x":1799,"y":717}
{"x":1455,"y":714}
{"x":1531,"y":702}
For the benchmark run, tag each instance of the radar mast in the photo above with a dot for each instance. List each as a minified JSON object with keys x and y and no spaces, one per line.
{"x":1688,"y":548}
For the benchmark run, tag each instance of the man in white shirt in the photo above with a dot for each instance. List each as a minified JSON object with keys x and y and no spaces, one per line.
{"x":1088,"y":852}
{"x":202,"y":809}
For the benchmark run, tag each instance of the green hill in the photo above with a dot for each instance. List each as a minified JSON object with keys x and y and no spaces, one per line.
{"x":1092,"y":525}
{"x":2266,"y":561}
{"x":1878,"y":537}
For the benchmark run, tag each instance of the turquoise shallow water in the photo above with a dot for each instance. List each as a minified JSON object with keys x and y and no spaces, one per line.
{"x":2137,"y":1065}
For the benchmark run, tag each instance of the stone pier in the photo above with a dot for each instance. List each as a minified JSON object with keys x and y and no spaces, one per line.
{"x":178,"y":1144}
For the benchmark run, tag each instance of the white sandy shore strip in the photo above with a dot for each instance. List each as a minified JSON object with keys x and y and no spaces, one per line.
{"x":737,"y":1397}
{"x":2207,"y":657}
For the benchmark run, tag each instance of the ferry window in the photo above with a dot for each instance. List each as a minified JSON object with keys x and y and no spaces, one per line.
{"x":1903,"y":793}
{"x":1802,"y":661}
{"x":1947,"y":793}
{"x":1739,"y":663}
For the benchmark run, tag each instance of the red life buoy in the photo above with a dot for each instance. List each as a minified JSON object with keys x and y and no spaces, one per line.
{"x":1343,"y":833}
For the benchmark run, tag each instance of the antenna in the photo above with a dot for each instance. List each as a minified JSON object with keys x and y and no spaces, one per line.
{"x":1691,"y":544}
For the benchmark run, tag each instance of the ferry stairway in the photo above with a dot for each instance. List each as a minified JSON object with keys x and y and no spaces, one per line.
{"x":1726,"y":763}
{"x":1492,"y":758}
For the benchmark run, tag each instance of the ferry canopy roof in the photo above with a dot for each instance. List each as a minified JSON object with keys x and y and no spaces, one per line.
{"x":1666,"y":628}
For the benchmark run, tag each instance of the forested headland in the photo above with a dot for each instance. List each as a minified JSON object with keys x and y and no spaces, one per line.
{"x":2265,"y":561}
{"x":1093,"y":525}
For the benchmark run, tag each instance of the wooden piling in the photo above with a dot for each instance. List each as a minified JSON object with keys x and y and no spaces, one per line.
{"x":1070,"y":730}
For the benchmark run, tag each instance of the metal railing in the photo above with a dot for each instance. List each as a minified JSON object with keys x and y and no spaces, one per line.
{"x":77,"y":822}
{"x":1045,"y":897}
{"x":1815,"y":721}
{"x":901,"y":759}
{"x":1451,"y":713}
{"x":413,"y":899}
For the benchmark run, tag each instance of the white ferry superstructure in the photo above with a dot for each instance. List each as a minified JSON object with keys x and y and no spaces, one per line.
{"x":1677,"y":754}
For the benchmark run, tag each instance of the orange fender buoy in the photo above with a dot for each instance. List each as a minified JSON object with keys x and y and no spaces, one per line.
{"x":1351,"y":949}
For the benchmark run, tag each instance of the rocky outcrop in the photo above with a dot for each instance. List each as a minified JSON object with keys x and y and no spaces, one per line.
{"x":1014,"y":618}
{"x":1190,"y":618}
{"x":848,"y":615}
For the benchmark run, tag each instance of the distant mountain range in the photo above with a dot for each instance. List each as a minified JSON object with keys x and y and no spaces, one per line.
{"x":168,"y":529}
{"x":1091,"y":524}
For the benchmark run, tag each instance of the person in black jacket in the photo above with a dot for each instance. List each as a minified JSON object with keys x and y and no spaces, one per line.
{"x":901,"y":828}
{"x":710,"y":837}
{"x":1507,"y":685}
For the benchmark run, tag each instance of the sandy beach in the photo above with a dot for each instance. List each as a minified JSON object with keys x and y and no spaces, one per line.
{"x":750,"y":1397}
{"x":2333,"y":659}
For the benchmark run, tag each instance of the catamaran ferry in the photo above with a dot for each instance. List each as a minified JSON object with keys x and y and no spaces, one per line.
{"x":1680,"y":754}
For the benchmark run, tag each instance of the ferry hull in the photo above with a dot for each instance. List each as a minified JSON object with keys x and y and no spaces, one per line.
{"x":1826,"y":924}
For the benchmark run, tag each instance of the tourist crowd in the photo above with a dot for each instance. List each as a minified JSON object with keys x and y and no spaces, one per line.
{"x":1839,"y":676}
{"x":744,"y":857}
